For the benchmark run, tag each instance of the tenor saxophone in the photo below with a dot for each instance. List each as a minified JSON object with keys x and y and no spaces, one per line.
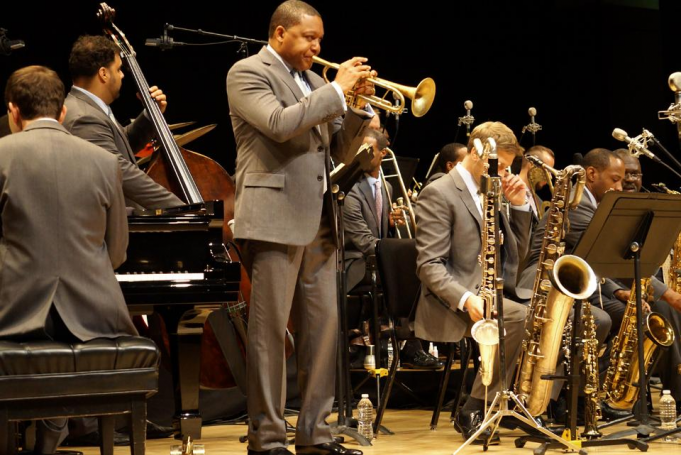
{"x":560,"y":279}
{"x":623,"y":371}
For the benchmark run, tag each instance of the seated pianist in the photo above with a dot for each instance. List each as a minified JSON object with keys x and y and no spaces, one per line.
{"x":367,"y":218}
{"x":62,"y":235}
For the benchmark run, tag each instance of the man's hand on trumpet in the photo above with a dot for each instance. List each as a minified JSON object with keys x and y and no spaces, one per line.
{"x":351,"y":71}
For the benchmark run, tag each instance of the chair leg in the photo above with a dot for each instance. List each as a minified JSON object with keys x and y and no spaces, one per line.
{"x":106,"y":434}
{"x":467,"y":348}
{"x":6,"y":432}
{"x":391,"y":379}
{"x":444,"y":381}
{"x":138,"y":426}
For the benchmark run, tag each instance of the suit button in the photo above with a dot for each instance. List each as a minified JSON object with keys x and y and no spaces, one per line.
{"x":320,"y":149}
{"x":320,"y":178}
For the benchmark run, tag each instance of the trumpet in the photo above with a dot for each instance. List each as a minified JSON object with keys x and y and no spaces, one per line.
{"x":403,"y":203}
{"x":421,"y":96}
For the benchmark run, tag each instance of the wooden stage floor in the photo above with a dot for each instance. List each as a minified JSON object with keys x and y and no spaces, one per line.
{"x":412,"y":436}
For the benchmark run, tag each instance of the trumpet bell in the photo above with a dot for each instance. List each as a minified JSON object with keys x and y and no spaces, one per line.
{"x":421,"y":96}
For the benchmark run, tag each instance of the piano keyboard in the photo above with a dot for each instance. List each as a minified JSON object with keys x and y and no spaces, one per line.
{"x":175,"y":276}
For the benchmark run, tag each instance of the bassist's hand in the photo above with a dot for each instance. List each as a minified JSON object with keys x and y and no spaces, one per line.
{"x":158,"y":95}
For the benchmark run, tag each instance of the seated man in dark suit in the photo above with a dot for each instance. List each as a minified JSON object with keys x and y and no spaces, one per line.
{"x":368,"y":217}
{"x":96,"y":70}
{"x":665,"y":298}
{"x":604,"y":172}
{"x":62,"y":234}
{"x":448,"y":157}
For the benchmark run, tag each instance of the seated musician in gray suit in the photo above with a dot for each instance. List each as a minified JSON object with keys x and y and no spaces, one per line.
{"x":62,"y":234}
{"x":96,"y":70}
{"x":448,"y":240}
{"x":364,"y":225}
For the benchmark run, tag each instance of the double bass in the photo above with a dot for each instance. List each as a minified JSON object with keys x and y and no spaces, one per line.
{"x":195,"y":178}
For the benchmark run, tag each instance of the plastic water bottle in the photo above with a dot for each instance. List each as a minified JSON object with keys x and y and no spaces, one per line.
{"x":365,"y":419}
{"x":668,"y":414}
{"x":391,"y":355}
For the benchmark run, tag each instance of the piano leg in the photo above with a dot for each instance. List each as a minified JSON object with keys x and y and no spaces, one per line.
{"x":185,"y":347}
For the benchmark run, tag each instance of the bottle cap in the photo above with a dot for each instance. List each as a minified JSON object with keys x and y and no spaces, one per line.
{"x":365,"y":395}
{"x":666,"y":392}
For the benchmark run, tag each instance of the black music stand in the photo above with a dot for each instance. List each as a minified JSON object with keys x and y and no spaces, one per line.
{"x":343,"y":177}
{"x":632,"y":226}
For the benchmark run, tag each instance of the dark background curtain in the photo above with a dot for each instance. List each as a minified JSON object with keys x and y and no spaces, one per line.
{"x":586,"y":66}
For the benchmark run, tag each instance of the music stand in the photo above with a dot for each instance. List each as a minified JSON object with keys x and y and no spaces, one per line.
{"x":343,"y":177}
{"x":632,"y":226}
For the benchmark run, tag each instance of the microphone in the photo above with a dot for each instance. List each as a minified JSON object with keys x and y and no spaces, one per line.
{"x":637,"y":146}
{"x":7,"y":45}
{"x":165,"y":42}
{"x":533,"y":126}
{"x":467,"y":119}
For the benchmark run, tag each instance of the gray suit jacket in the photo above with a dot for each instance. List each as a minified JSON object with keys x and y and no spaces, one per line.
{"x":85,"y":119}
{"x":282,"y":157}
{"x":449,"y":243}
{"x":63,"y":231}
{"x":360,"y":222}
{"x":579,"y":220}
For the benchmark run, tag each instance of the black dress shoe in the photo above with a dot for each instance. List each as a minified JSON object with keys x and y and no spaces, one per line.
{"x":420,"y":359}
{"x":468,"y":422}
{"x":326,"y":448}
{"x":275,"y":451}
{"x":512,"y":422}
{"x":155,"y":431}
{"x":609,"y":414}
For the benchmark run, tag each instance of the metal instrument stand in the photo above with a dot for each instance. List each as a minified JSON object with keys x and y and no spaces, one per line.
{"x":499,"y":407}
{"x":570,"y":432}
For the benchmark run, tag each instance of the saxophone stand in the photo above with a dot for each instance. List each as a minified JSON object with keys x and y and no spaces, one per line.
{"x":500,"y":405}
{"x":570,"y":432}
{"x":632,"y":226}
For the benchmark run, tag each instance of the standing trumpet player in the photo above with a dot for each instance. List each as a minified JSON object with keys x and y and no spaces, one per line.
{"x":287,"y":124}
{"x":449,"y":219}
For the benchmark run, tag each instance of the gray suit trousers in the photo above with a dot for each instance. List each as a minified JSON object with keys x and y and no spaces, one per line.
{"x":299,"y":281}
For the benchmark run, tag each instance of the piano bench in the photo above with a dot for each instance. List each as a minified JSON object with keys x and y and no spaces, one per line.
{"x":101,"y":378}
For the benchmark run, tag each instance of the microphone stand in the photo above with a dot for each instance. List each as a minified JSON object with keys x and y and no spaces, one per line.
{"x":345,"y":423}
{"x":500,"y":405}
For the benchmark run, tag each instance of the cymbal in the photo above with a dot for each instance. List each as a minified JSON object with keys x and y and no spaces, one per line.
{"x":186,"y":138}
{"x":175,"y":126}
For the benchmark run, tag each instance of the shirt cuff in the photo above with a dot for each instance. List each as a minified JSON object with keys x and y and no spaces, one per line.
{"x":339,"y":90}
{"x":463,"y":300}
{"x":521,"y":208}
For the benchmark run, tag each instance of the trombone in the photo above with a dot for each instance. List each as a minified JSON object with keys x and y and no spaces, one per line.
{"x":421,"y":96}
{"x":407,"y":210}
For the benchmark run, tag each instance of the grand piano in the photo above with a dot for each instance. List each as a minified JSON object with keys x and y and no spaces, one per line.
{"x":179,"y":268}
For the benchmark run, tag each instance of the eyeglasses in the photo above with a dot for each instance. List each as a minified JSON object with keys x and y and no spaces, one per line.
{"x":630,"y":176}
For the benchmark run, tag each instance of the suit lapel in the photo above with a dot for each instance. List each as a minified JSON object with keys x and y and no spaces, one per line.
{"x":285,"y":75}
{"x":466,"y":197}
